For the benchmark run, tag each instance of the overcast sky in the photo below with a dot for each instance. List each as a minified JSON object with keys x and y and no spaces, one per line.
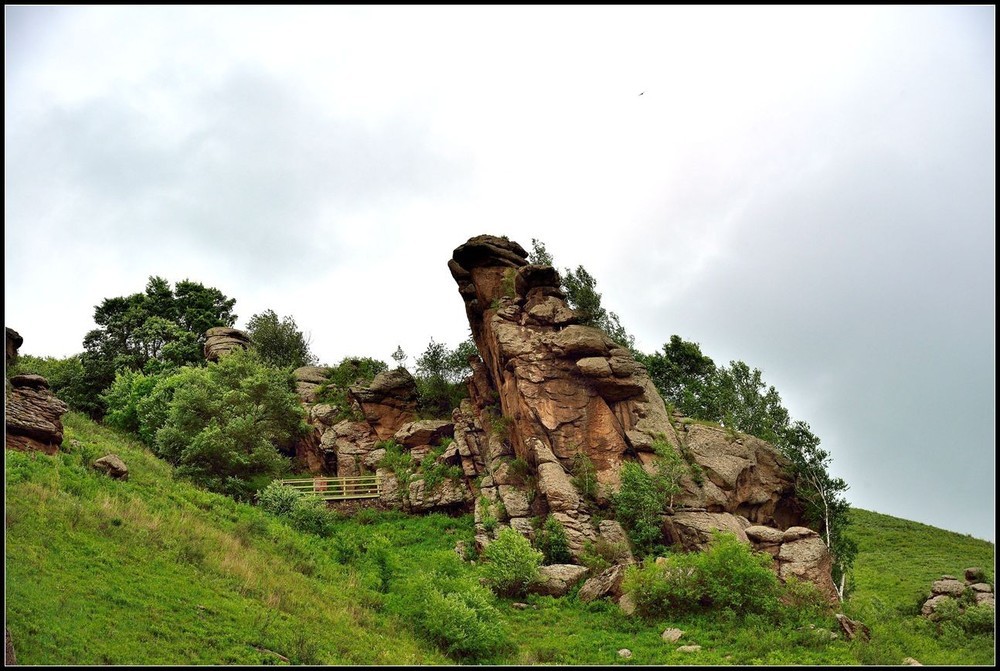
{"x":810,"y":190}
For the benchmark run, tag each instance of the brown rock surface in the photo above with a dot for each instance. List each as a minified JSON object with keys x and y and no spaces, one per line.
{"x":13,"y":343}
{"x":606,"y":583}
{"x":693,"y":530}
{"x":557,"y":579}
{"x":308,"y":380}
{"x":33,"y":415}
{"x":221,"y":340}
{"x":389,"y":402}
{"x":113,"y":466}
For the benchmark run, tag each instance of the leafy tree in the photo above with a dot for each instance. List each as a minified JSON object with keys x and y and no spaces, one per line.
{"x":823,"y":496}
{"x":441,"y":374}
{"x":539,"y":255}
{"x":223,"y":425}
{"x":511,"y":563}
{"x":582,"y":296}
{"x":684,"y":377}
{"x":551,"y":541}
{"x":638,"y":506}
{"x":152,"y":331}
{"x":279,"y":342}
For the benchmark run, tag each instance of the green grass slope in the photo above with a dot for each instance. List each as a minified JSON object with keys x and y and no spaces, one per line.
{"x":155,"y":571}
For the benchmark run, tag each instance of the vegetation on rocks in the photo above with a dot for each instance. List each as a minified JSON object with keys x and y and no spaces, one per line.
{"x":279,"y":343}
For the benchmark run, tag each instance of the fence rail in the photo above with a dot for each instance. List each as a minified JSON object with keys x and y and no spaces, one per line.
{"x":338,"y":489}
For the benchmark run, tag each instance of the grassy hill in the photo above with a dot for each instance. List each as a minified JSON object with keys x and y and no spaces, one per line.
{"x":155,"y":571}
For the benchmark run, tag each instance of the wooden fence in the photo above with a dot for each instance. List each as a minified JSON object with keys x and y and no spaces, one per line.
{"x":338,"y":489}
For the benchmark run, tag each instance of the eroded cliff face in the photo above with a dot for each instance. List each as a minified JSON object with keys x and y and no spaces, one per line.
{"x":32,"y":413}
{"x":557,"y":388}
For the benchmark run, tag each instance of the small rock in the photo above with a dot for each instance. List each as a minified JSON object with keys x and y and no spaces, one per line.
{"x":909,"y":661}
{"x":627,"y":604}
{"x":949,"y":586}
{"x":981,"y":587}
{"x":519,"y":605}
{"x":660,"y":561}
{"x":948,"y":577}
{"x":671,"y":635}
{"x":985,"y":599}
{"x":625,"y":653}
{"x":689,"y":648}
{"x":112,"y":465}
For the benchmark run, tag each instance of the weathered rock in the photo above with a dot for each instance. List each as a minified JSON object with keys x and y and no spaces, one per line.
{"x":607,"y":583}
{"x":557,"y":579}
{"x":389,"y":402}
{"x":808,"y":559}
{"x":853,"y":629}
{"x":909,"y":661}
{"x":625,"y":653}
{"x":424,"y":432}
{"x":221,"y":340}
{"x":981,"y":587}
{"x":950,"y":587}
{"x":693,"y":531}
{"x":984,"y":598}
{"x":14,"y":342}
{"x":931,"y":605}
{"x":33,"y":415}
{"x":795,"y":533}
{"x":671,"y":635}
{"x":627,"y":604}
{"x":308,"y":380}
{"x":761,"y":534}
{"x":611,"y":533}
{"x":444,"y":495}
{"x":688,"y":648}
{"x":350,"y":443}
{"x":113,"y":466}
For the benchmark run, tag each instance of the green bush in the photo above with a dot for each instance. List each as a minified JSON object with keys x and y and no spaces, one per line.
{"x":728,"y":575}
{"x":638,"y":506}
{"x":511,"y":563}
{"x":224,"y":425}
{"x":551,"y":541}
{"x":977,"y":620}
{"x":584,"y":476}
{"x":456,"y":614}
{"x":278,"y":499}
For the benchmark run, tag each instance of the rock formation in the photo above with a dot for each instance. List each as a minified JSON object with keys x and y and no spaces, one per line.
{"x":973,"y":590}
{"x":32,"y":413}
{"x":220,"y":340}
{"x":558,"y":389}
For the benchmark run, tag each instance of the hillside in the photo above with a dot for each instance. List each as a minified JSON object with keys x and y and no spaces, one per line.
{"x":154,"y":571}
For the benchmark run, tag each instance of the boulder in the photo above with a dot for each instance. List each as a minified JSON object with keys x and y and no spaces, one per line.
{"x":423,"y":432}
{"x":693,"y":530}
{"x":221,"y":340}
{"x":607,"y":583}
{"x":557,"y":579}
{"x":112,"y":466}
{"x":14,"y":342}
{"x":445,"y":495}
{"x":33,"y":415}
{"x":308,"y":380}
{"x":388,"y":402}
{"x":931,"y":605}
{"x":974,"y":574}
{"x":951,"y":587}
{"x":671,"y":635}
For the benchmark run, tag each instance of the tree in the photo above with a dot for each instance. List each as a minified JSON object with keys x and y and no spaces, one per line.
{"x":152,"y":331}
{"x":280,"y":343}
{"x":822,"y":495}
{"x":441,"y":374}
{"x":684,"y":377}
{"x":223,"y":425}
{"x":582,"y":296}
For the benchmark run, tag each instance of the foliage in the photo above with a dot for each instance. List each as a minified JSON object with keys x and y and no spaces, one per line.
{"x":582,"y":296}
{"x":638,"y":506}
{"x":222,"y":425}
{"x":441,"y":374}
{"x":727,"y":575}
{"x":123,"y":397}
{"x":350,"y":371}
{"x":507,"y":283}
{"x":66,"y":378}
{"x":511,"y":563}
{"x":551,"y":541}
{"x":584,"y":475}
{"x":154,"y":331}
{"x":539,"y":255}
{"x":684,"y":377}
{"x":487,"y":518}
{"x":278,"y":499}
{"x":670,"y":469}
{"x":279,"y":343}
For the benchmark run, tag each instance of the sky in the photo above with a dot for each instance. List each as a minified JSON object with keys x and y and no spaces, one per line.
{"x":810,"y":190}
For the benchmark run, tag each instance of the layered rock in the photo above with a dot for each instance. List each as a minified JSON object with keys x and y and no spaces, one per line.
{"x":221,"y":340}
{"x":558,"y":388}
{"x":950,"y":589}
{"x":389,"y":402}
{"x":32,"y":413}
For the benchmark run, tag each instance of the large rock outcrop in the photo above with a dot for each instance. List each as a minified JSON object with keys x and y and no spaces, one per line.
{"x":33,"y":414}
{"x":221,"y":340}
{"x":553,"y":388}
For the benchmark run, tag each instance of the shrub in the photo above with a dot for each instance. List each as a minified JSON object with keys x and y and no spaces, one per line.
{"x":311,"y":515}
{"x":457,"y":615}
{"x":584,"y":475}
{"x":278,"y":499}
{"x":638,"y":505}
{"x":511,"y":563}
{"x":551,"y":541}
{"x":728,"y":575}
{"x":977,"y":620}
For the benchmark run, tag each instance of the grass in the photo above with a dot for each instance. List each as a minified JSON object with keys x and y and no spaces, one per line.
{"x":156,"y":571}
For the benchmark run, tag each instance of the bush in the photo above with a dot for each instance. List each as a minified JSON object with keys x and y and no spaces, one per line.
{"x":511,"y":563}
{"x":638,"y":506}
{"x":223,"y":425}
{"x":278,"y":499}
{"x":551,"y":541}
{"x":728,"y":575}
{"x":457,"y":615}
{"x":585,"y":476}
